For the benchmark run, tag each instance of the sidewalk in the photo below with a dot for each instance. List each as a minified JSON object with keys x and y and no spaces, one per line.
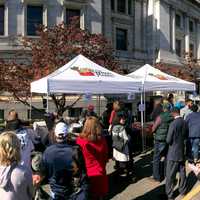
{"x":143,"y":189}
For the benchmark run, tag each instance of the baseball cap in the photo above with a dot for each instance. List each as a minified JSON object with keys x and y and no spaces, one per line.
{"x":61,"y":129}
{"x":90,"y":107}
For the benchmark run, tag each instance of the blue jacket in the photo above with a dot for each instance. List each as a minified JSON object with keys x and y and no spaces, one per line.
{"x":193,"y":121}
{"x":58,"y":161}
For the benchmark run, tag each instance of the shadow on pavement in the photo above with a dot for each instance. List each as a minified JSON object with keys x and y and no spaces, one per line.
{"x":191,"y":181}
{"x":143,"y":167}
{"x":155,"y":194}
{"x":117,"y":184}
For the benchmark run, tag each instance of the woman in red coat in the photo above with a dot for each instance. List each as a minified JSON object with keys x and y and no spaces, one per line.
{"x":95,"y":152}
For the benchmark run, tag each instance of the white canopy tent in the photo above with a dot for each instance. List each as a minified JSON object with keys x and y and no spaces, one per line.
{"x":153,"y":79}
{"x":82,"y":76}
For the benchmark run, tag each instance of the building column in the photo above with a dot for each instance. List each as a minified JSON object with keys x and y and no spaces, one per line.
{"x":126,"y":6}
{"x":151,"y":31}
{"x":45,"y":16}
{"x":6,"y":23}
{"x":63,"y":14}
{"x":198,"y":41}
{"x":173,"y":30}
{"x":187,"y":35}
{"x":23,"y":19}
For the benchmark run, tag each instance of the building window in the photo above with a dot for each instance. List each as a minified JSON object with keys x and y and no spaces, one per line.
{"x":178,"y":20}
{"x":121,"y":39}
{"x":112,"y":5}
{"x":178,"y":47}
{"x":192,"y":50}
{"x":121,"y":6}
{"x":70,"y":13}
{"x":129,"y":7}
{"x":2,"y":19}
{"x":191,"y":26}
{"x":34,"y":19}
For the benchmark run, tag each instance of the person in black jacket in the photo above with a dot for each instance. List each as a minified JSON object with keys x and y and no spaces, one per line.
{"x":65,"y":168}
{"x":177,"y":134}
{"x":106,"y":116}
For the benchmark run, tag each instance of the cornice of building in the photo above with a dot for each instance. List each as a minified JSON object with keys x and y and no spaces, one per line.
{"x":189,"y":7}
{"x":66,"y":2}
{"x":196,"y":2}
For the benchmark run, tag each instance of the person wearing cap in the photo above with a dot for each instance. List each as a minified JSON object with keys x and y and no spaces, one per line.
{"x":89,"y":112}
{"x":160,"y":129}
{"x":176,"y":137}
{"x":62,"y":163}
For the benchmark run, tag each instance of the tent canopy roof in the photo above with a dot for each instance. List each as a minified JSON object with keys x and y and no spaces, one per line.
{"x":153,"y":79}
{"x":81,"y":75}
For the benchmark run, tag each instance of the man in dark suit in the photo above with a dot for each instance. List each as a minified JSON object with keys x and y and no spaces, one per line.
{"x":176,"y":137}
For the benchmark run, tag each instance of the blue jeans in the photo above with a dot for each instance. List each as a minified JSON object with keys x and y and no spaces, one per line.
{"x":195,"y":147}
{"x":159,"y":147}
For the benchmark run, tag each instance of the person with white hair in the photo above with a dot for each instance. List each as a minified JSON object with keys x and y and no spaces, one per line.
{"x":62,"y":163}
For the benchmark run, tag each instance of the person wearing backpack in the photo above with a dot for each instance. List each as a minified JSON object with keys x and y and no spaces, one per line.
{"x":121,"y":145}
{"x":64,"y":168}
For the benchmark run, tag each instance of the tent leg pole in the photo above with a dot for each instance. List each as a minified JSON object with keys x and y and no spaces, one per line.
{"x":145,"y":139}
{"x":47,"y":109}
{"x":142,"y":120}
{"x":99,"y":109}
{"x":30,"y":113}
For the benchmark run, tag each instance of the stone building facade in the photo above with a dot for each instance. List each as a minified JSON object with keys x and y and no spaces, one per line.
{"x":175,"y":26}
{"x":141,"y":31}
{"x":121,"y":21}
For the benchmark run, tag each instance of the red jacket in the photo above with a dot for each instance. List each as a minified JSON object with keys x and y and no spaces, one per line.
{"x":95,"y":154}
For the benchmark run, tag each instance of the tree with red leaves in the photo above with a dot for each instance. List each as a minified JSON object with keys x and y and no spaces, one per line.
{"x":189,"y":70}
{"x":54,"y":47}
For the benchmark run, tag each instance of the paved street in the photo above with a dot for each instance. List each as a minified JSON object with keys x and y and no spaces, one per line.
{"x":144,"y":188}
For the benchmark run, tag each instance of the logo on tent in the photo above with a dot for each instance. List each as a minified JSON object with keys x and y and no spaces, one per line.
{"x":163,"y":77}
{"x":159,"y":76}
{"x":91,"y":72}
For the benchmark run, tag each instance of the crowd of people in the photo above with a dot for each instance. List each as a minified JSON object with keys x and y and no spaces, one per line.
{"x":176,"y":139}
{"x":68,"y":162}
